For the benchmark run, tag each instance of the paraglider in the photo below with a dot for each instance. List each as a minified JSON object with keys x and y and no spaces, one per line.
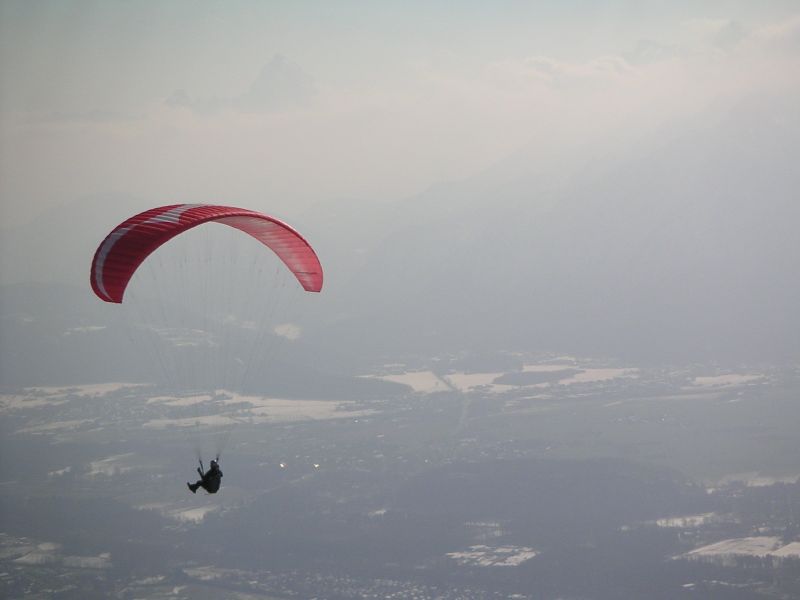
{"x":126,"y":247}
{"x":128,"y":244}
{"x":209,"y":480}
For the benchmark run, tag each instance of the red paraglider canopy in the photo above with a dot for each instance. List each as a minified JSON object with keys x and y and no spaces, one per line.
{"x":126,"y":247}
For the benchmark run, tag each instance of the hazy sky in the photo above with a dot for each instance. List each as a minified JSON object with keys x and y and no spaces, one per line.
{"x":270,"y":104}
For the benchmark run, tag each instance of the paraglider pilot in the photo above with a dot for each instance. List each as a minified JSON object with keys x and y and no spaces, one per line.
{"x":210,"y":480}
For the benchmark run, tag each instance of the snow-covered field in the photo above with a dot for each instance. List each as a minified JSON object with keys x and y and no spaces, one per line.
{"x":112,"y":465}
{"x":55,"y":426}
{"x":465,"y":382}
{"x":181,"y":513}
{"x":220,"y":408}
{"x":686,"y":522}
{"x":180,"y":400}
{"x":37,"y":397}
{"x":755,"y":479}
{"x":747,"y":546}
{"x":427,"y":382}
{"x":493,"y":556}
{"x":423,"y":382}
{"x":729,"y":380}
{"x":49,"y":553}
{"x":236,"y":408}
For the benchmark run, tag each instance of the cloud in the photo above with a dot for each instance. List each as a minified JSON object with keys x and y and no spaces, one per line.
{"x":783,"y":37}
{"x":733,"y":38}
{"x":389,"y":129}
{"x":290,"y":331}
{"x":721,"y":34}
{"x":650,"y":51}
{"x":541,"y":76}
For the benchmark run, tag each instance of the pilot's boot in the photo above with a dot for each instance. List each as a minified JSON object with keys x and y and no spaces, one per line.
{"x":192,"y":487}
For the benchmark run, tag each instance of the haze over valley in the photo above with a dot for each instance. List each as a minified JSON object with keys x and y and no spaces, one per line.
{"x":556,"y":354}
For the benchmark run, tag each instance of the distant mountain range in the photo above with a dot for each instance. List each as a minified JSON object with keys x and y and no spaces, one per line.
{"x":679,"y":248}
{"x":58,"y":334}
